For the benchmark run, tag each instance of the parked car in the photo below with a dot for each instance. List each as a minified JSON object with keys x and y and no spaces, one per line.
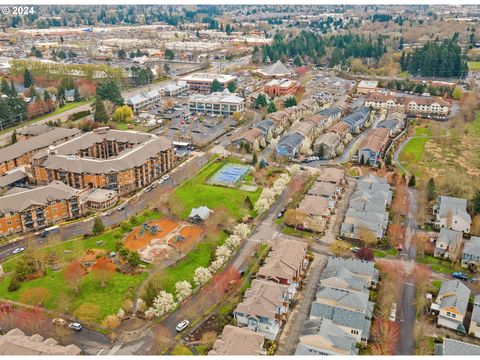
{"x":393,"y":312}
{"x":281,"y":213}
{"x":182,"y":325}
{"x":165,"y":177}
{"x":59,"y":322}
{"x":18,"y":250}
{"x":459,"y":275}
{"x":121,"y":207}
{"x":354,"y":249}
{"x":75,"y":326}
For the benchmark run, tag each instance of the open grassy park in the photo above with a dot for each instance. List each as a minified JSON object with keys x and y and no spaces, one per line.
{"x":195,"y":192}
{"x":109,"y":298}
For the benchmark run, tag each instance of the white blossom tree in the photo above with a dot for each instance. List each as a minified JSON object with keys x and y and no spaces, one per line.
{"x":163,"y":303}
{"x":121,"y":314}
{"x":223,"y":252}
{"x":262,"y":205}
{"x":233,"y":241}
{"x":242,"y":231}
{"x":202,"y":276}
{"x":183,"y":289}
{"x":216,"y":265}
{"x":141,"y":304}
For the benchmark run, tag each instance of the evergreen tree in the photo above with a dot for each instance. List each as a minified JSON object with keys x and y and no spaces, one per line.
{"x":231,"y":87}
{"x":27,"y":79}
{"x":388,"y":160}
{"x":431,"y":192}
{"x":260,"y":101}
{"x":476,"y":203}
{"x":254,"y":158}
{"x":412,"y":181}
{"x":169,"y":55}
{"x":46,"y":95}
{"x":76,"y":95}
{"x":362,"y":160}
{"x":289,"y":102}
{"x":98,"y":226}
{"x":13,"y":90}
{"x":100,"y":113}
{"x":122,"y":54}
{"x":271,"y":107}
{"x":215,"y":86}
{"x":14,"y":137}
{"x":110,"y":91}
{"x":321,"y":152}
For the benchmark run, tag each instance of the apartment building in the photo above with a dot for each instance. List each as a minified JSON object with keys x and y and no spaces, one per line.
{"x":122,"y":161}
{"x":21,"y":153}
{"x":25,"y":210}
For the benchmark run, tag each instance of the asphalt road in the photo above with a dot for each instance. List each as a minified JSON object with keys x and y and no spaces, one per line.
{"x":134,"y":206}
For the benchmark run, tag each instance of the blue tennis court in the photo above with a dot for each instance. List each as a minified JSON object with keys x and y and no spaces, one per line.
{"x":230,"y":174}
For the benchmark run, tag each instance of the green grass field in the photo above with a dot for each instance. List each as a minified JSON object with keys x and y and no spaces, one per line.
{"x":413,"y":150}
{"x":109,"y":298}
{"x":473,"y":65}
{"x":195,"y":192}
{"x":201,"y":255}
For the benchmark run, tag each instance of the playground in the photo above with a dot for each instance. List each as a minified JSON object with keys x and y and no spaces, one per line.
{"x":162,"y":239}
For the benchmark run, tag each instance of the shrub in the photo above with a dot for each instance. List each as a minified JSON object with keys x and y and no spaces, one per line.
{"x":14,"y":284}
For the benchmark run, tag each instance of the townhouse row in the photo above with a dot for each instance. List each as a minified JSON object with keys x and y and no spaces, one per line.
{"x":341,"y":314}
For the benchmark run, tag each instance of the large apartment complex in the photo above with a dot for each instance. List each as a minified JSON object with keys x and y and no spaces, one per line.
{"x":116,"y":160}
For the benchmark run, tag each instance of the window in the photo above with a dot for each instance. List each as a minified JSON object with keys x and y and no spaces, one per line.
{"x":354,"y":332}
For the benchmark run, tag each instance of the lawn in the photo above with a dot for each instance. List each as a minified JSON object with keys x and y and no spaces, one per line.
{"x":68,"y":250}
{"x":413,"y":150}
{"x":384,"y":253}
{"x":473,"y":65}
{"x":195,"y":192}
{"x":181,"y":349}
{"x":109,"y":298}
{"x":201,"y":255}
{"x":438,"y":265}
{"x":58,"y":111}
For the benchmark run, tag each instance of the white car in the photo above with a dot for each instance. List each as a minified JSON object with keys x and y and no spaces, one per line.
{"x":18,"y":250}
{"x":75,"y":326}
{"x":182,"y":325}
{"x":161,"y":181}
{"x":165,"y":177}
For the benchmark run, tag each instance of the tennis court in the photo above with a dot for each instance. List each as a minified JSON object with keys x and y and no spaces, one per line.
{"x":230,"y":175}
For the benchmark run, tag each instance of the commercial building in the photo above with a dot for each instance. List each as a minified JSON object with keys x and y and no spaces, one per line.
{"x":174,"y":89}
{"x":117,"y":160}
{"x":277,"y":70}
{"x":280,"y":87}
{"x":141,"y":101}
{"x":202,"y":82}
{"x":220,"y":103}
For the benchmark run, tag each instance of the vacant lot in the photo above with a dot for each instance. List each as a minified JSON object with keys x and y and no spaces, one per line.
{"x":196,"y":192}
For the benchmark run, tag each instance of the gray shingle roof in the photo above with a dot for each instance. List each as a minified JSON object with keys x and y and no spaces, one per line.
{"x":291,"y":140}
{"x":472,"y":247}
{"x":341,"y":273}
{"x":476,"y":309}
{"x":357,"y":300}
{"x":452,"y":347}
{"x":343,"y":317}
{"x":356,"y":266}
{"x":459,"y":297}
{"x":450,"y":237}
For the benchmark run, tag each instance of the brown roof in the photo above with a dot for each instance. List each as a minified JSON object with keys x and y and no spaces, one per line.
{"x":15,"y":342}
{"x":284,"y":260}
{"x":332,"y":174}
{"x":314,"y":205}
{"x":238,"y":341}
{"x":322,"y":188}
{"x":317,"y":119}
{"x":250,"y":135}
{"x":263,"y":299}
{"x":340,"y":128}
{"x":375,"y":139}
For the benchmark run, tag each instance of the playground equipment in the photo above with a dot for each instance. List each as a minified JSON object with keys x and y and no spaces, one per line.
{"x":154,"y":229}
{"x":179,"y":238}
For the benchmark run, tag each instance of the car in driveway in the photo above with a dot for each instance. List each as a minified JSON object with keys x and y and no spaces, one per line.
{"x":460,"y":276}
{"x":18,"y":250}
{"x":75,"y":326}
{"x":182,"y":325}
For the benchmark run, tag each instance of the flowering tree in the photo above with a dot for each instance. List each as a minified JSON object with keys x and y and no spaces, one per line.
{"x":242,"y":231}
{"x":141,"y":304}
{"x":232,"y":241}
{"x":223,"y":252}
{"x":216,"y":265}
{"x":121,"y":313}
{"x":183,"y":289}
{"x":202,"y":276}
{"x":164,"y":302}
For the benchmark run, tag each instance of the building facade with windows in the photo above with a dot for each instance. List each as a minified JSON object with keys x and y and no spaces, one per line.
{"x":219,"y":103}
